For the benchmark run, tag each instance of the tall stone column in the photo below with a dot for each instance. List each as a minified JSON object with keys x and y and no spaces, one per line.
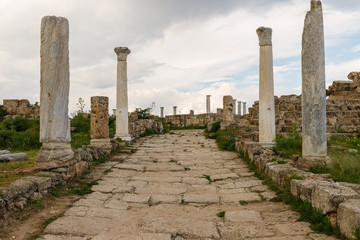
{"x":54,"y":94}
{"x":122,"y":117}
{"x":162,"y":112}
{"x":314,"y":142}
{"x":228,"y":115}
{"x":239,"y":108}
{"x":174,"y":110}
{"x":244,"y":108}
{"x":234,"y":106}
{"x":99,"y":124}
{"x":208,"y":110}
{"x":267,"y":132}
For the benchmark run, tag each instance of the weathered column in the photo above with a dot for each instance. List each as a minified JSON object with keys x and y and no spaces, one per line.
{"x":192,"y":112}
{"x":208,"y":110}
{"x":234,"y":106}
{"x":122,"y":117}
{"x":244,"y":108}
{"x":54,"y":94}
{"x":228,"y":115}
{"x":267,"y":132}
{"x":174,"y":110}
{"x":239,"y":108}
{"x":313,"y":84}
{"x":162,"y":112}
{"x":99,"y":124}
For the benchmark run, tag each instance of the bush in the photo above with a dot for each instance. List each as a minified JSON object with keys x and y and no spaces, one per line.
{"x":225,"y":140}
{"x":214,"y":127}
{"x":20,"y":124}
{"x":81,"y":123}
{"x":3,"y":113}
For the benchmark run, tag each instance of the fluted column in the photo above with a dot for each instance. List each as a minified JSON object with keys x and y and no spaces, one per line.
{"x":208,"y":110}
{"x":244,"y":108}
{"x":122,"y":117}
{"x":162,"y":112}
{"x":239,"y":108}
{"x":54,"y":94}
{"x":267,"y":132}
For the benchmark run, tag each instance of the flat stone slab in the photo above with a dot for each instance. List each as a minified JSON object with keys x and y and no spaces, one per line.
{"x":136,"y":198}
{"x":169,"y":199}
{"x":201,"y":198}
{"x":13,"y":157}
{"x":130,"y":236}
{"x":237,"y":197}
{"x":128,"y":166}
{"x":243,"y":216}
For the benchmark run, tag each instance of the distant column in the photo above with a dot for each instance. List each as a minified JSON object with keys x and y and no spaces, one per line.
{"x":314,"y":142}
{"x":99,"y":123}
{"x":244,"y":108}
{"x":208,"y":110}
{"x":234,"y":106}
{"x":122,"y":115}
{"x":54,"y":94}
{"x":162,"y":112}
{"x":267,"y":132}
{"x":239,"y":108}
{"x":174,"y":110}
{"x":228,"y":115}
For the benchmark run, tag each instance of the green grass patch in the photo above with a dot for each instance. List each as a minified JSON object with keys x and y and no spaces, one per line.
{"x":83,"y":188}
{"x":51,"y":219}
{"x":147,"y":132}
{"x":206,"y":177}
{"x":221,"y":214}
{"x":243,"y":202}
{"x":345,"y":166}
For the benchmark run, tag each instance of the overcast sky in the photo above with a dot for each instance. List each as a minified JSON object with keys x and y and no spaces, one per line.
{"x":182,"y":50}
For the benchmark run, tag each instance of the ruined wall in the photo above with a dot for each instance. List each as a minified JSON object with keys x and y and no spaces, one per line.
{"x":191,"y":119}
{"x":342,"y":108}
{"x":20,"y":107}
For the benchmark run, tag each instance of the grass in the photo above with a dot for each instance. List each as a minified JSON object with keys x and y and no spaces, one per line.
{"x":221,"y":214}
{"x":345,"y":166}
{"x":224,"y":139}
{"x":206,"y":177}
{"x":173,"y":127}
{"x":83,"y":188}
{"x":243,"y":202}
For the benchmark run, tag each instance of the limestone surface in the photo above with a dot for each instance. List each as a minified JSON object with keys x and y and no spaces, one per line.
{"x":228,"y":106}
{"x":176,"y":200}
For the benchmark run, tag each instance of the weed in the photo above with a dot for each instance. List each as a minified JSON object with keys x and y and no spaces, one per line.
{"x":84,"y":188}
{"x":147,"y":132}
{"x":172,"y":160}
{"x":202,"y":145}
{"x":345,"y":166}
{"x":357,"y":233}
{"x":36,"y":236}
{"x":206,"y":177}
{"x":155,"y":161}
{"x":39,"y":204}
{"x":221,"y":214}
{"x":281,"y":162}
{"x":50,"y":220}
{"x":186,"y":169}
{"x":107,"y":171}
{"x":320,"y":169}
{"x":243,"y":202}
{"x":172,"y":133}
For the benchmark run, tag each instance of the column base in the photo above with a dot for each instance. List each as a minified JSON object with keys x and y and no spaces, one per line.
{"x":53,"y":155}
{"x":124,"y":137}
{"x":266,"y":144}
{"x":307,"y":162}
{"x":104,"y":143}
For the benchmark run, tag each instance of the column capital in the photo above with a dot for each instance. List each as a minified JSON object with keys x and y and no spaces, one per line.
{"x":208,"y":96}
{"x":122,"y":53}
{"x":264,"y":34}
{"x":239,"y":101}
{"x":315,"y":4}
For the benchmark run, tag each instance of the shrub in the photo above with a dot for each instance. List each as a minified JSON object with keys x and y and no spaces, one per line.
{"x":81,"y":123}
{"x":20,"y":124}
{"x":225,"y":140}
{"x":214,"y":127}
{"x":3,"y":113}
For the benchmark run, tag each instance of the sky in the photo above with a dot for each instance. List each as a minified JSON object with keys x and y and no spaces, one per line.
{"x":181,"y":50}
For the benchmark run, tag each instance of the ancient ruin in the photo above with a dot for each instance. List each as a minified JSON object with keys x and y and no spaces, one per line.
{"x":239,"y":108}
{"x":122,"y":119}
{"x":234,"y":106}
{"x":266,"y":88}
{"x":54,"y":95}
{"x":313,"y":84}
{"x":244,"y":108}
{"x":208,"y":110}
{"x":174,"y":110}
{"x":22,"y":107}
{"x":162,"y":112}
{"x":228,"y":113}
{"x":99,"y":125}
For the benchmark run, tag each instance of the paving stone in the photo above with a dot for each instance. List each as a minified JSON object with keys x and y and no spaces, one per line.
{"x":116,"y":204}
{"x":243,"y":216}
{"x":136,"y":198}
{"x":157,"y":199}
{"x":103,"y":188}
{"x":268,"y":195}
{"x":249,"y":183}
{"x":195,"y":181}
{"x":297,"y":228}
{"x":77,"y":211}
{"x":98,"y":196}
{"x":224,"y":176}
{"x":129,"y":166}
{"x":236,"y":198}
{"x":140,"y":236}
{"x":162,"y":188}
{"x":164,"y":167}
{"x":201,"y":198}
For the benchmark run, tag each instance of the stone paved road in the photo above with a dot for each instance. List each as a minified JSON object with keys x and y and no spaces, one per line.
{"x":160,"y":193}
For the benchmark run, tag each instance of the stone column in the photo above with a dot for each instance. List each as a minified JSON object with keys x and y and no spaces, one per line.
{"x":234,"y":106}
{"x":122,"y":117}
{"x":192,"y":112}
{"x":54,"y":94}
{"x":244,"y":108}
{"x":174,"y":110}
{"x":239,"y":108}
{"x":267,"y":132}
{"x":162,"y":112}
{"x":313,"y":84}
{"x":228,"y":115}
{"x":208,"y":110}
{"x":99,"y":124}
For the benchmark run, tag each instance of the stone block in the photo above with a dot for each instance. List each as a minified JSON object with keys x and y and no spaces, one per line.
{"x":348,"y":217}
{"x":243,"y":216}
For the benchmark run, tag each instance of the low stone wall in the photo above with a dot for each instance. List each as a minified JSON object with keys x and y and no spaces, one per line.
{"x":22,"y":107}
{"x":185,"y":120}
{"x":339,"y":201}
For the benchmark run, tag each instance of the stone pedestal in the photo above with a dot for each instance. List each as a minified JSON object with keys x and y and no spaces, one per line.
{"x":162,"y":112}
{"x":244,"y":108}
{"x":234,"y":106}
{"x":122,"y":117}
{"x":174,"y":110}
{"x":239,"y":108}
{"x":99,"y":124}
{"x":314,"y":142}
{"x":54,"y":94}
{"x":208,"y":110}
{"x":267,"y":131}
{"x":228,"y":115}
